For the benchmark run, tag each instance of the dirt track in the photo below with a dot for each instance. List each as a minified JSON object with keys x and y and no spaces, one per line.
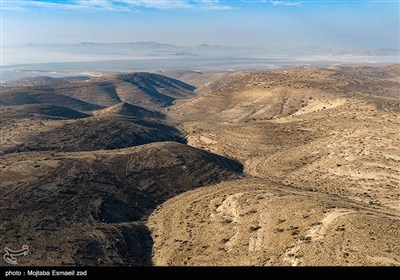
{"x":320,"y":150}
{"x":304,"y":169}
{"x":255,"y":222}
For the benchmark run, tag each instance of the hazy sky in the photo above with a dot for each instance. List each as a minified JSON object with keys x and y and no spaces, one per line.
{"x":267,"y":24}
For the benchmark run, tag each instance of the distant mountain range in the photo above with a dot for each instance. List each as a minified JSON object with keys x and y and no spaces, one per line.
{"x":155,"y":49}
{"x":140,"y":49}
{"x":61,"y":60}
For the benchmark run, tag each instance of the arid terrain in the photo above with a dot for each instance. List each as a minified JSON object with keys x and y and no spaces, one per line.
{"x":292,"y":167}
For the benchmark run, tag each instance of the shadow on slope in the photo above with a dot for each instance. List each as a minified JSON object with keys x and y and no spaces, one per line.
{"x":40,"y":111}
{"x":87,"y":208}
{"x":108,"y":133}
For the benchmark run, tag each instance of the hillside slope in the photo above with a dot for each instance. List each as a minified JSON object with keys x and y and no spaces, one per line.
{"x":292,"y":167}
{"x":143,"y":89}
{"x":320,"y":150}
{"x":86,"y":208}
{"x":258,"y":222}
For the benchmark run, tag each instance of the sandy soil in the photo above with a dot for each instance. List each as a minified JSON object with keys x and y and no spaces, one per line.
{"x":256,"y":222}
{"x":304,"y":169}
{"x":323,"y":148}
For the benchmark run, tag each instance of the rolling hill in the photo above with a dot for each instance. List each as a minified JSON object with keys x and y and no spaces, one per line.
{"x":40,"y":111}
{"x":143,"y":89}
{"x":86,"y":208}
{"x":291,"y":167}
{"x":34,"y":120}
{"x":320,"y":150}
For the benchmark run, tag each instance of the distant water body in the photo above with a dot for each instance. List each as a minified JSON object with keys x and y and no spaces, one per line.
{"x":62,"y":69}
